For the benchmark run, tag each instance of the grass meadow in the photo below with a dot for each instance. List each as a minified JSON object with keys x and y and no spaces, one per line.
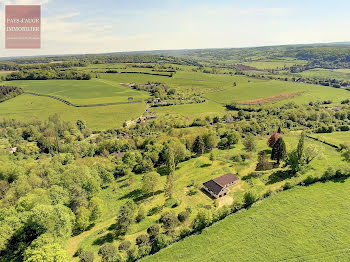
{"x":84,"y":92}
{"x":27,"y":107}
{"x":335,"y":138}
{"x":340,"y":74}
{"x":257,"y":88}
{"x":274,"y":64}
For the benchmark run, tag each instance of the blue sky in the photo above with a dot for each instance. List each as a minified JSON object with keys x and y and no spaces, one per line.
{"x":86,"y":26}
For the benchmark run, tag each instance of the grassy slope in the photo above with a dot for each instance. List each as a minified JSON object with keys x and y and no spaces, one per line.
{"x":303,"y":224}
{"x":193,"y":110}
{"x":341,"y":74}
{"x":335,"y":138}
{"x":266,"y":88}
{"x":82,"y":92}
{"x":274,"y":64}
{"x":28,"y":107}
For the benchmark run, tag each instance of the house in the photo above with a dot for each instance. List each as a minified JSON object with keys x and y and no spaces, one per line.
{"x":12,"y":150}
{"x":217,"y":187}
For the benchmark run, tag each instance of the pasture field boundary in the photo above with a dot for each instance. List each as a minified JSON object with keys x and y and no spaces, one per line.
{"x":76,"y":105}
{"x":324,"y":142}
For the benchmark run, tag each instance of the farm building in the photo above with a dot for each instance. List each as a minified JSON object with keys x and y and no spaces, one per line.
{"x":217,"y":187}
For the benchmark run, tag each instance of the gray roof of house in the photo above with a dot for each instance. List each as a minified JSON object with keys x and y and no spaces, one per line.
{"x":213,"y":186}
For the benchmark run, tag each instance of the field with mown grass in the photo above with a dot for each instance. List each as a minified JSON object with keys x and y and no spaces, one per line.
{"x":335,"y":138}
{"x":274,"y":64}
{"x":28,"y":107}
{"x":257,"y":88}
{"x":302,"y":224}
{"x":341,"y":74}
{"x":82,"y":92}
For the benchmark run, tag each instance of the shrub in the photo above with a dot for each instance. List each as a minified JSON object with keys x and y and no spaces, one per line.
{"x":192,"y":192}
{"x":169,"y":220}
{"x":203,"y":219}
{"x":86,"y":256}
{"x":185,"y":232}
{"x":182,"y":216}
{"x":144,"y":251}
{"x":133,"y":253}
{"x":250,"y":143}
{"x":108,"y":252}
{"x":142,"y":240}
{"x":177,"y":202}
{"x":154,"y":210}
{"x":153,"y":231}
{"x":161,"y":241}
{"x":125,"y":245}
{"x":287,"y":186}
{"x":249,"y":198}
{"x":141,"y":214}
{"x":237,"y":158}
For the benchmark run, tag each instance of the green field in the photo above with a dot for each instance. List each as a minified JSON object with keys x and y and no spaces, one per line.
{"x":303,"y":224}
{"x":93,"y":91}
{"x":335,"y":138}
{"x":28,"y":107}
{"x":341,"y":74}
{"x":192,"y":110}
{"x":274,"y":64}
{"x":266,"y":88}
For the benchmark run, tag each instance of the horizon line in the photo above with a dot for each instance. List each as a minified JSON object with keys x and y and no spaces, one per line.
{"x":4,"y":58}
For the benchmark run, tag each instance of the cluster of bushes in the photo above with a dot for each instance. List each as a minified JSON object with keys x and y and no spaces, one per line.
{"x":8,"y":92}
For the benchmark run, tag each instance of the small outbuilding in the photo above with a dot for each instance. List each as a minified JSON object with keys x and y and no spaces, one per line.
{"x":12,"y":150}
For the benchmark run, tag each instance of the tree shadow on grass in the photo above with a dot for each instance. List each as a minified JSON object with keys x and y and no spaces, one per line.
{"x":250,"y":176}
{"x":104,"y":239}
{"x":112,"y":227}
{"x":279,"y":176}
{"x":137,"y":195}
{"x":205,"y":165}
{"x":121,"y":180}
{"x":132,"y":195}
{"x":145,"y":196}
{"x":124,"y":185}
